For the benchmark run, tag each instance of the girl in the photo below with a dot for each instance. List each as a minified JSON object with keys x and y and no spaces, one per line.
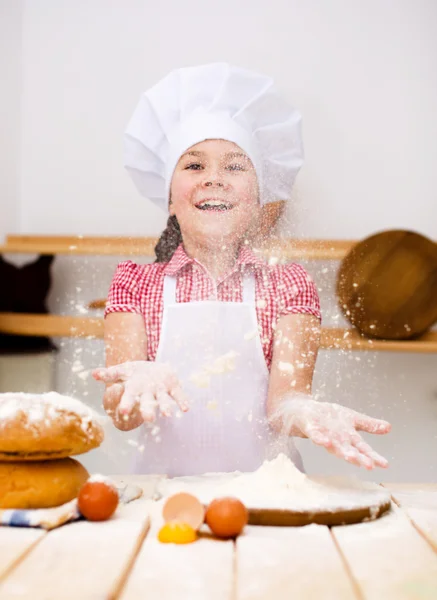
{"x":210,"y":350}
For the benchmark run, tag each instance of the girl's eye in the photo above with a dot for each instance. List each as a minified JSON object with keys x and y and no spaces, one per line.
{"x":194,"y":166}
{"x":236,"y":167}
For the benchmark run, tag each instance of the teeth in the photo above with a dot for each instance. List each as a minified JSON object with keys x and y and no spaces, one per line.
{"x":214,"y":204}
{"x":218,"y":206}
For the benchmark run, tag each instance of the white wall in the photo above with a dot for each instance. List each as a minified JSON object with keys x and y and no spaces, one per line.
{"x":362,"y":73}
{"x":11,"y":15}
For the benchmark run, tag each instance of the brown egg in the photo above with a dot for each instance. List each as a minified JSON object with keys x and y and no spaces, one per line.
{"x":226,"y":517}
{"x":97,"y":500}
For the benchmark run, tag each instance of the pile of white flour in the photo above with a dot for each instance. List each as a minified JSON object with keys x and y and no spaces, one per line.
{"x":278,"y":484}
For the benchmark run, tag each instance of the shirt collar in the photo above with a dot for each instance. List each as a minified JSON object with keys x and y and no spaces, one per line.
{"x":180,"y":259}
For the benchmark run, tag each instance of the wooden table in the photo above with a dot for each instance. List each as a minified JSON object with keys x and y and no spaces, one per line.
{"x":393,"y":558}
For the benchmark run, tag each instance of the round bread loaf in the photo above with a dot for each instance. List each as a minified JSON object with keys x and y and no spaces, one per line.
{"x":43,"y":484}
{"x":46,"y":427}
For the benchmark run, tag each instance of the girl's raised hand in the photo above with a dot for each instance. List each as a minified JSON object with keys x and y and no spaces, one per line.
{"x":333,"y":426}
{"x":148,"y":386}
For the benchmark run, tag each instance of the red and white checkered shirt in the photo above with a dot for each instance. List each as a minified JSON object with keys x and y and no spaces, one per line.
{"x":279,"y":290}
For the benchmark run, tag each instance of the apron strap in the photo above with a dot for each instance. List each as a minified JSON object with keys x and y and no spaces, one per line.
{"x":248,"y":289}
{"x":169,"y":290}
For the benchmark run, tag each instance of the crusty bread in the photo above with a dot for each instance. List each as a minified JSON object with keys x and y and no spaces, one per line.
{"x":40,"y":484}
{"x":46,"y":427}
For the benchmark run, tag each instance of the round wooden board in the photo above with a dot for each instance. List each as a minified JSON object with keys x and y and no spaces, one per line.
{"x":387,"y":285}
{"x":290,"y":518}
{"x":340,"y":500}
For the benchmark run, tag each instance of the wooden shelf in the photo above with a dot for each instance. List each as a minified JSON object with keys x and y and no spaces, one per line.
{"x":51,"y":325}
{"x":92,"y":327}
{"x":351,"y":339}
{"x":138,"y":246}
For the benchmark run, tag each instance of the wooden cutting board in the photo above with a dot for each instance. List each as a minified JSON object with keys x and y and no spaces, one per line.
{"x":335,"y":501}
{"x":387,"y":285}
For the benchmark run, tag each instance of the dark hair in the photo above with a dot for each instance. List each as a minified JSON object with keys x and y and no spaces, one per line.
{"x":170,"y":239}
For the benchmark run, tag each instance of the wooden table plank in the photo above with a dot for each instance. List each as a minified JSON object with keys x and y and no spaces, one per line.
{"x":282,"y":563}
{"x":411,"y":487}
{"x":389,"y":559}
{"x":79,"y":560}
{"x":15,"y":543}
{"x":198,"y":571}
{"x":419,"y":502}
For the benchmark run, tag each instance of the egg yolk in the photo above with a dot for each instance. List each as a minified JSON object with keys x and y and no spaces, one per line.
{"x":177,"y":533}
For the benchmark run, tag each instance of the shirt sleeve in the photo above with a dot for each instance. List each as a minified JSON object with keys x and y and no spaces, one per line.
{"x":123,"y":293}
{"x":298,"y":292}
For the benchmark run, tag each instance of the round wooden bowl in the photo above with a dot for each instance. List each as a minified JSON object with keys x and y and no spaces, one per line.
{"x":387,"y":285}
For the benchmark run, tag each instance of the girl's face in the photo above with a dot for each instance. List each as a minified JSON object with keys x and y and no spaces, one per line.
{"x":214,"y":193}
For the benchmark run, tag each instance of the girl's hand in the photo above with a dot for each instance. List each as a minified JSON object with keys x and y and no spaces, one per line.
{"x":111,"y":400}
{"x":147,"y":387}
{"x":333,"y":426}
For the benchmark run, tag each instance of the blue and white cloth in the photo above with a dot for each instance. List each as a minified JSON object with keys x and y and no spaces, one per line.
{"x":49,"y":518}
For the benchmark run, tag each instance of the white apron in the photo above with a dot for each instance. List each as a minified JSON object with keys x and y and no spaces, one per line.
{"x":226,"y":427}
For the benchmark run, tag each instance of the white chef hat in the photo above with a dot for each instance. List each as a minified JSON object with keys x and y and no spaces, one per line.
{"x":214,"y":101}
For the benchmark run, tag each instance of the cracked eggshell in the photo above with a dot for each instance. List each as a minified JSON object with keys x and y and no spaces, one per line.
{"x":185,"y":508}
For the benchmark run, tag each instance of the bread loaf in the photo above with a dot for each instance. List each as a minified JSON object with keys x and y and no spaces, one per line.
{"x":42,"y":484}
{"x":35,"y":427}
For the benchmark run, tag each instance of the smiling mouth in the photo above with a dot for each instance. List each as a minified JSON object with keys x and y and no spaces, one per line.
{"x":214,"y":205}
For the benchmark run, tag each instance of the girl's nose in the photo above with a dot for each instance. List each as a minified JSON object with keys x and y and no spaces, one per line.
{"x":213,"y":176}
{"x":210,"y":183}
